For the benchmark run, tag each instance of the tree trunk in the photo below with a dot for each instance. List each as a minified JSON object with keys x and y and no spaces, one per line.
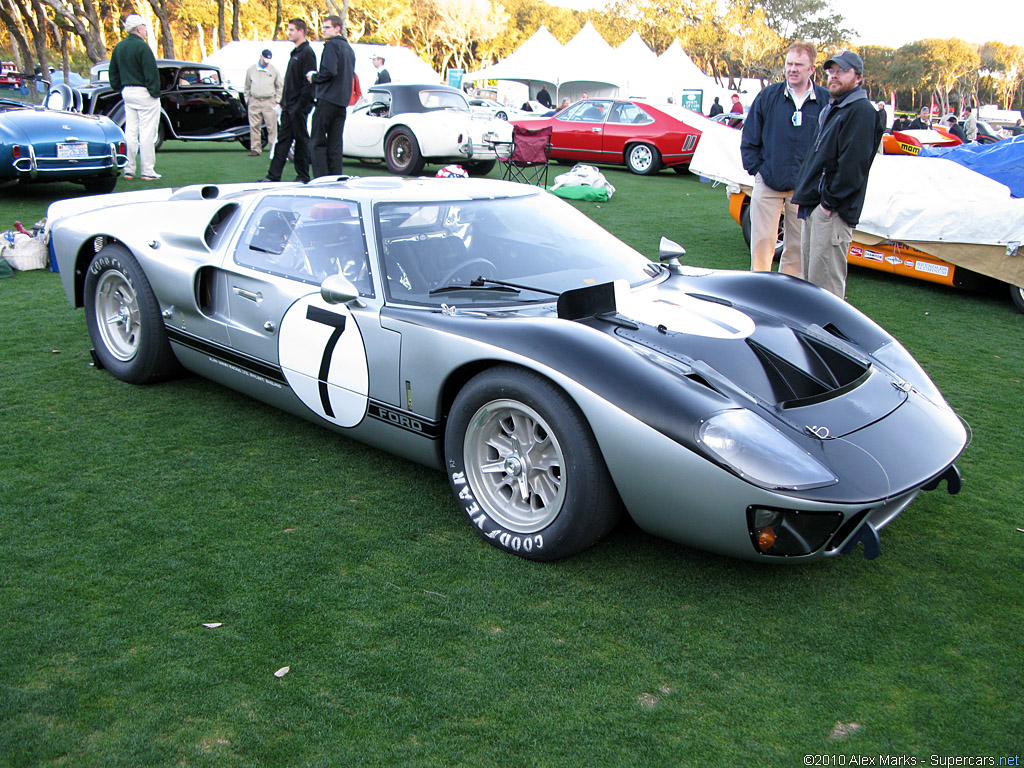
{"x":221,"y":33}
{"x":234,"y":19}
{"x":22,"y":51}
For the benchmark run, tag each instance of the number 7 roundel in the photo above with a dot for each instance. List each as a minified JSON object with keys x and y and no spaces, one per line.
{"x":324,"y":360}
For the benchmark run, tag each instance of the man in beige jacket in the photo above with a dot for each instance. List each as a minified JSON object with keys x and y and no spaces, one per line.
{"x":263,"y":84}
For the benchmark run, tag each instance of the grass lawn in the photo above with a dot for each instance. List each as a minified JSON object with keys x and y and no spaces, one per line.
{"x":131,"y":516}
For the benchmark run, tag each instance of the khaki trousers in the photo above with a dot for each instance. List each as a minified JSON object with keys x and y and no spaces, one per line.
{"x":141,"y":122}
{"x":825,"y":244}
{"x":262,"y":111}
{"x":767,"y":206}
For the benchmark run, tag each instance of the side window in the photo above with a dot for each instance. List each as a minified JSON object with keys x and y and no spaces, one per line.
{"x":307,"y":239}
{"x":624,"y":112}
{"x":380,"y":104}
{"x":587,"y":112}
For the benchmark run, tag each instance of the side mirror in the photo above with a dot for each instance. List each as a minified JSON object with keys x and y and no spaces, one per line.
{"x":337,"y":289}
{"x":669,"y":251}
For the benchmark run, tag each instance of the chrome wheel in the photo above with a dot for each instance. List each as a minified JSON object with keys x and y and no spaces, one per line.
{"x":117,"y":315}
{"x":516,"y":464}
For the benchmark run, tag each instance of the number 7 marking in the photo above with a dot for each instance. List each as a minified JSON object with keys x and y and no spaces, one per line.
{"x":322,"y":316}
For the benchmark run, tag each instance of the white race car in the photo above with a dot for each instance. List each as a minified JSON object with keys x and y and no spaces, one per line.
{"x":409,"y":126}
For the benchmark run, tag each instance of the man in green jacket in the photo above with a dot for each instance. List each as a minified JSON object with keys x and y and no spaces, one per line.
{"x":133,"y":72}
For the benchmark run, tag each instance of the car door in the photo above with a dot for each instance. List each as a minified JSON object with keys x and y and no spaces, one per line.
{"x":290,"y":244}
{"x":365,"y":128}
{"x":578,"y":133}
{"x":625,"y":121}
{"x":197,"y":104}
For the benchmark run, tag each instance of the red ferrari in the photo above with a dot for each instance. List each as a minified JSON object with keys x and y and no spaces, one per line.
{"x":638,"y":135}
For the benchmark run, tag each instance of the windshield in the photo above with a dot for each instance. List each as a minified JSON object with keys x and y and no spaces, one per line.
{"x":433,"y":251}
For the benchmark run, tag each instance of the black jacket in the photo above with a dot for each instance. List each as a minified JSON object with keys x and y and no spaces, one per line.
{"x":297,"y":96}
{"x":771,"y":144}
{"x":333,"y":82}
{"x":835,"y":172}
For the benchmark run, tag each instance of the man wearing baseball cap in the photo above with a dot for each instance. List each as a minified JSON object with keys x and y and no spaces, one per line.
{"x":834,"y":177}
{"x":133,"y":72}
{"x":263,"y":85}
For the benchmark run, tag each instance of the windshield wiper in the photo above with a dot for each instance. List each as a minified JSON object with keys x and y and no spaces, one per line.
{"x":480,"y":281}
{"x":473,"y":286}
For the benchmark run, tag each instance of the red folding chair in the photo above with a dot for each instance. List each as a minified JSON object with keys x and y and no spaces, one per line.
{"x":525,"y":158}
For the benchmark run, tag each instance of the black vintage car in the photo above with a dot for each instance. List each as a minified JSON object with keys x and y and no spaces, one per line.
{"x":195,"y":103}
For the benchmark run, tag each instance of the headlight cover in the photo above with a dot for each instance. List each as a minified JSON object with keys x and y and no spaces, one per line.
{"x":759,"y":453}
{"x":895,"y":357}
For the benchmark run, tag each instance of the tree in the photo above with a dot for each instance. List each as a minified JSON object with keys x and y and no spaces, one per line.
{"x":1004,"y":65}
{"x":805,"y":20}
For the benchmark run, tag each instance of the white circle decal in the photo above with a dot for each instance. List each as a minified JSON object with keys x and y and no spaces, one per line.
{"x":324,"y":360}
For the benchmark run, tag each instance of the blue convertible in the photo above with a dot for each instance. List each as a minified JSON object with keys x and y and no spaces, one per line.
{"x":40,"y":145}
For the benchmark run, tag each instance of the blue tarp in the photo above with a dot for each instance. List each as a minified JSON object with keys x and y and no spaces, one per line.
{"x":1002,"y":161}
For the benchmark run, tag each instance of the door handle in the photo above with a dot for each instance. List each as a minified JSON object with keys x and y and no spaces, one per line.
{"x":595,"y":130}
{"x":253,"y":296}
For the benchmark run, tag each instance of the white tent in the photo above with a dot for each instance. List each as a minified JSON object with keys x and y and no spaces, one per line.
{"x":589,"y":66}
{"x":639,"y":65}
{"x":402,"y":64}
{"x":675,"y":66}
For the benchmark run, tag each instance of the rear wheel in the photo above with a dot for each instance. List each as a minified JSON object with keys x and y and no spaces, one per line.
{"x":123,"y":318}
{"x":480,"y":167}
{"x":525,"y":467}
{"x":100,"y":186}
{"x":402,"y":153}
{"x":643,"y":159}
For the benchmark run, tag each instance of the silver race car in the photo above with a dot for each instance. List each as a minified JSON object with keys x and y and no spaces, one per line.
{"x":554,"y":373}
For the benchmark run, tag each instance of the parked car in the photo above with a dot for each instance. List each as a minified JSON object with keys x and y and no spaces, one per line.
{"x":987,"y":134}
{"x":491,"y":330}
{"x":493,"y":108}
{"x":9,"y":76}
{"x":636,"y":134}
{"x":43,"y":145}
{"x":195,"y":103}
{"x":731,"y":119}
{"x":409,"y":126}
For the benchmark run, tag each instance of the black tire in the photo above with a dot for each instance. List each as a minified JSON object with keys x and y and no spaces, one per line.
{"x":102,"y":186}
{"x":501,"y":115}
{"x":745,"y":226}
{"x":643,"y":159}
{"x":682,"y":170}
{"x":511,"y":432}
{"x":123,"y":318}
{"x":161,"y":133}
{"x":402,"y":153}
{"x":1017,"y":296}
{"x":480,"y":167}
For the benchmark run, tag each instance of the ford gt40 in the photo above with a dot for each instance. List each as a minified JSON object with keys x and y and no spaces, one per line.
{"x":556,"y":375}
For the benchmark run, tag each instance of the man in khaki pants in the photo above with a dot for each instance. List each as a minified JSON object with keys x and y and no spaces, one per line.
{"x":263,"y":86}
{"x":778,"y":132}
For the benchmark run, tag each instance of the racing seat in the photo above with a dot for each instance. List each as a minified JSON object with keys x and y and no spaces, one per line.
{"x":525,"y":158}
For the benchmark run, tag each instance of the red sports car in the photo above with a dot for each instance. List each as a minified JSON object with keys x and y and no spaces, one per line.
{"x":641,"y":136}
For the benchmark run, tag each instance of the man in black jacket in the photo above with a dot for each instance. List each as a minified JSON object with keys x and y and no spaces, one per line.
{"x":333,"y":88}
{"x":296,"y":101}
{"x":834,"y":177}
{"x":778,"y":132}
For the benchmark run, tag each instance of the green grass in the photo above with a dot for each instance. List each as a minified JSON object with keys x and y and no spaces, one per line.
{"x":132,"y":515}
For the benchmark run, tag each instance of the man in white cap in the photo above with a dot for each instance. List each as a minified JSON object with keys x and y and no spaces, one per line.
{"x":383,"y":76}
{"x":133,"y":72}
{"x":263,"y":85}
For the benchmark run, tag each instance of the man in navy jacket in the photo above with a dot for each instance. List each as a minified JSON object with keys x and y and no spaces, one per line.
{"x":333,"y":84}
{"x":834,"y":177}
{"x":778,"y":132}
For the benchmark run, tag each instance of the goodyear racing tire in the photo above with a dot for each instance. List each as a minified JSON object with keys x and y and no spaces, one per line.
{"x":525,"y":467}
{"x":402,"y":153}
{"x":123,"y":318}
{"x":643,"y":159}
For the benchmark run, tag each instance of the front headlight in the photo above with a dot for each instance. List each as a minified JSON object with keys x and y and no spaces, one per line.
{"x":759,"y":453}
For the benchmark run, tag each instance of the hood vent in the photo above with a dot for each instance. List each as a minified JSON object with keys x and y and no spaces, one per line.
{"x":825,"y":373}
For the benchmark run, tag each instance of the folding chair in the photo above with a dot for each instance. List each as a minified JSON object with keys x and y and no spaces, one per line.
{"x":525,"y":158}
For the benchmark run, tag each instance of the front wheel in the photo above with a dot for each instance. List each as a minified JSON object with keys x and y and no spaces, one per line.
{"x":643,"y":159}
{"x":525,"y":467}
{"x":402,"y":153}
{"x":1017,"y":295}
{"x":123,"y":318}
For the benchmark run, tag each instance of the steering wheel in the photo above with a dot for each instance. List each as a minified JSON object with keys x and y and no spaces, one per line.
{"x":480,"y":262}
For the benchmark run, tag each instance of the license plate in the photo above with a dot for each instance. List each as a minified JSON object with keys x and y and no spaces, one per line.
{"x":69,"y":150}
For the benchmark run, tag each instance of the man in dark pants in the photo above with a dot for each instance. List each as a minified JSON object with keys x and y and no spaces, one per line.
{"x":296,"y":101}
{"x":333,"y":88}
{"x":834,"y":177}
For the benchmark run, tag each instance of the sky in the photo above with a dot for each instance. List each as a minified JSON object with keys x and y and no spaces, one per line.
{"x":893,"y":23}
